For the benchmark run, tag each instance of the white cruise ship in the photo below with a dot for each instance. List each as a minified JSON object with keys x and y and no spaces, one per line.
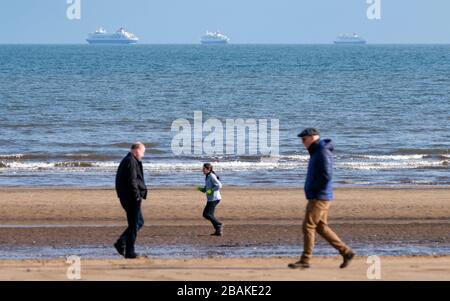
{"x":100,"y":36}
{"x":214,"y":38}
{"x":350,"y":39}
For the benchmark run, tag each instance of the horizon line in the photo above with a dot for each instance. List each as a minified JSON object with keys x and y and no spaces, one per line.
{"x":229,"y":44}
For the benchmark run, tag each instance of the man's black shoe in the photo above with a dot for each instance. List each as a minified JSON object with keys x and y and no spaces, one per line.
{"x":131,"y":255}
{"x":119,"y":248}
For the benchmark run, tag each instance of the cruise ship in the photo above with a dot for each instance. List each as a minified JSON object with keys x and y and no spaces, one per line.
{"x":350,"y":39}
{"x":100,"y":36}
{"x":214,"y":38}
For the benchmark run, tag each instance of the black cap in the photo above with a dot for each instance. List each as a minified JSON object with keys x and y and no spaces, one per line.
{"x":308,"y":132}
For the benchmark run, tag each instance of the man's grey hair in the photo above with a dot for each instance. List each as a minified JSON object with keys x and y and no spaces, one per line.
{"x":137,"y":145}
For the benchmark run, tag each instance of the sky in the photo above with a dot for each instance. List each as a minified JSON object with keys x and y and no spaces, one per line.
{"x":244,"y":21}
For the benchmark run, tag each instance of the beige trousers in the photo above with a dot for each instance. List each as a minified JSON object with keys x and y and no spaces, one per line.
{"x":316,"y":219}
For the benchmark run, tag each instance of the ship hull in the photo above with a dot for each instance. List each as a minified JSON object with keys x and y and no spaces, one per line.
{"x":350,"y":43}
{"x":214,"y":42}
{"x":121,"y":42}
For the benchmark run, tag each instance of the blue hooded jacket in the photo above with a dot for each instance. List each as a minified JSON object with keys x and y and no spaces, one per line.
{"x":319,"y":179}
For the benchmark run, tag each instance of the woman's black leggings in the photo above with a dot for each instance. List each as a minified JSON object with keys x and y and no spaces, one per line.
{"x":208,"y":213}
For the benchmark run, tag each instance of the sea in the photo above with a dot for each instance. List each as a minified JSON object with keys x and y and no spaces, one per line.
{"x":69,"y":113}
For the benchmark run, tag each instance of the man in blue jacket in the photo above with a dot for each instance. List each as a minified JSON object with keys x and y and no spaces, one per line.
{"x":319,"y":193}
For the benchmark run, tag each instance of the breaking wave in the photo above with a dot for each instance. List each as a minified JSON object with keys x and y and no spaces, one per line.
{"x":288,"y":162}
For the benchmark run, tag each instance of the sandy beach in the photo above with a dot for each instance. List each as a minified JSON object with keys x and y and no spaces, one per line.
{"x":227,"y":269}
{"x":70,"y":218}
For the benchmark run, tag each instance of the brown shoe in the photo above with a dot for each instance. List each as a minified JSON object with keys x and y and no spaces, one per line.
{"x":301,"y":264}
{"x":348,"y":257}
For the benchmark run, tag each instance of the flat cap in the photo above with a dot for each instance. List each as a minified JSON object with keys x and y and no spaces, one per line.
{"x":308,"y":132}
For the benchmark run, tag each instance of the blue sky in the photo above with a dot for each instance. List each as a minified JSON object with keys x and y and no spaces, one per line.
{"x":245,"y":21}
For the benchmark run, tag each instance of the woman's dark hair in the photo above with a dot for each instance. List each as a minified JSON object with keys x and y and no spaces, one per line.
{"x":209,"y":167}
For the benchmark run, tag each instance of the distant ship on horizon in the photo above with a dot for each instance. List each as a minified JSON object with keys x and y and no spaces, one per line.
{"x":100,"y":36}
{"x":350,"y":39}
{"x":214,"y":38}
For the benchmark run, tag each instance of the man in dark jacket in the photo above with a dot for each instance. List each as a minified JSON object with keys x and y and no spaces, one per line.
{"x":131,"y":189}
{"x":319,"y":193}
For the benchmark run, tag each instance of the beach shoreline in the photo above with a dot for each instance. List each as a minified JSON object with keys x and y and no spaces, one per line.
{"x":79,"y":221}
{"x":235,"y":187}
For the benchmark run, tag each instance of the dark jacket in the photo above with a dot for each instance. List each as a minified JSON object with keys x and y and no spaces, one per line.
{"x":319,"y":179}
{"x":130,"y":184}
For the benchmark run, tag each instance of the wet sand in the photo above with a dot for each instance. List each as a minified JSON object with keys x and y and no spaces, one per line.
{"x":69,"y":218}
{"x":64,"y":217}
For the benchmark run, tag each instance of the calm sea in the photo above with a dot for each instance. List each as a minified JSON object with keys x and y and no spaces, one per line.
{"x":68,"y":113}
